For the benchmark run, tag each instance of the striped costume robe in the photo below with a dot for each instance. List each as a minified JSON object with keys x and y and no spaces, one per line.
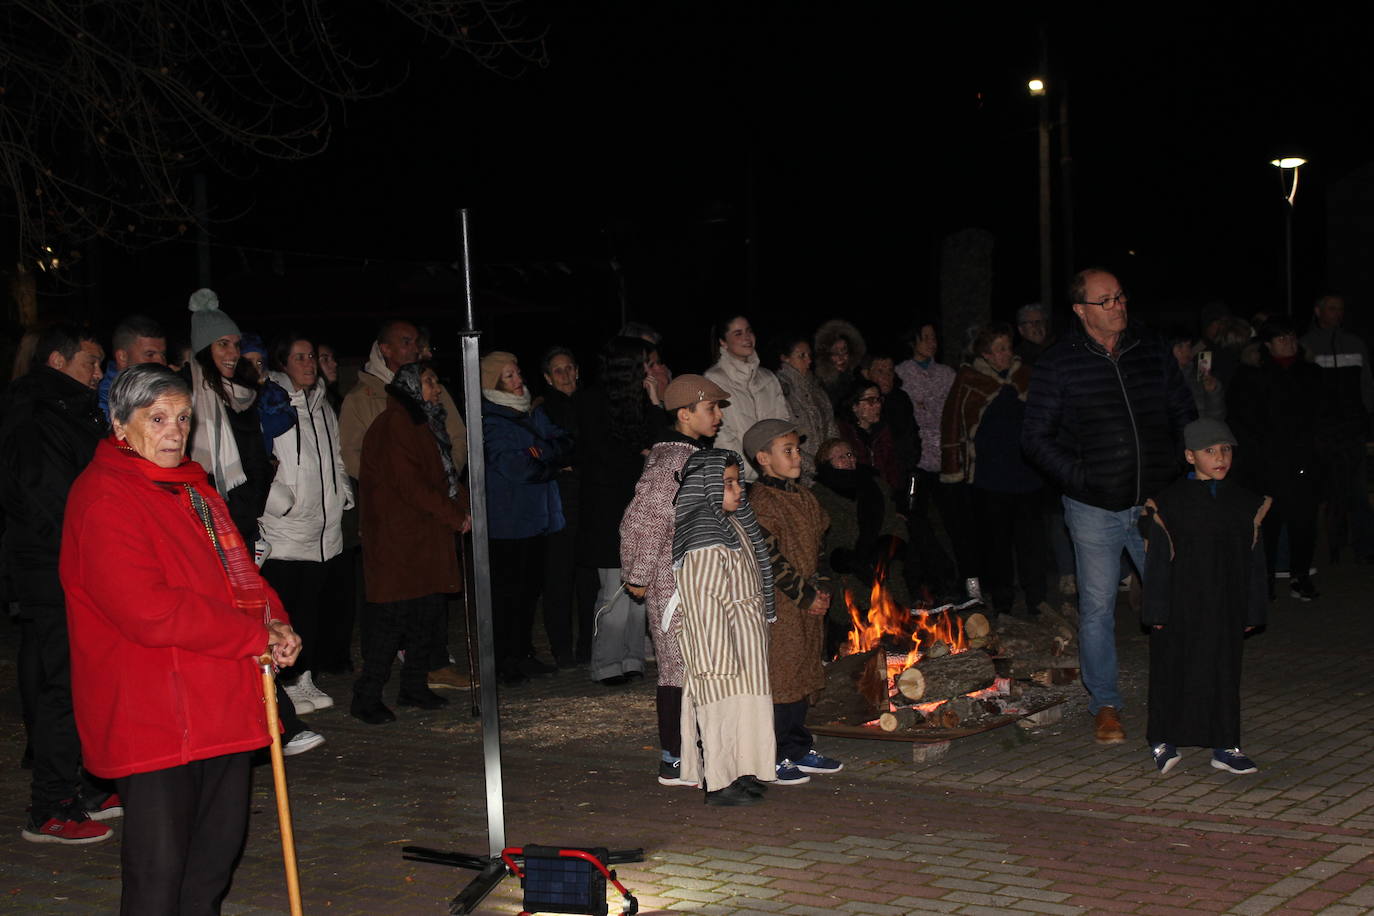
{"x":726,"y":700}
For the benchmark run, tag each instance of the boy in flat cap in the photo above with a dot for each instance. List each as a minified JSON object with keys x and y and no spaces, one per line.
{"x":646,"y":547}
{"x":794,"y":525}
{"x":1205,"y":588}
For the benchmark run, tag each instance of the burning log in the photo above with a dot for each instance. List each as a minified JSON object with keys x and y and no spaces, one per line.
{"x":1024,"y":639}
{"x":855,"y":689}
{"x":949,"y":676}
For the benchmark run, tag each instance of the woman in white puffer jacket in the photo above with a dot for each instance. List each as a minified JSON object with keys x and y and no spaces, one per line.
{"x":755,"y":392}
{"x":304,"y":508}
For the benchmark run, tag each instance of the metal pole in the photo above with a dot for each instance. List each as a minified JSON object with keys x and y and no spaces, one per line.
{"x":1288,"y":252}
{"x":479,"y":589}
{"x":1068,"y":260}
{"x":1046,"y":243}
{"x":1046,"y":224}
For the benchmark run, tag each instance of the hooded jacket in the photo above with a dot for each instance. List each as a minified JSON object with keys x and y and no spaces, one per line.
{"x":834,"y":382}
{"x":755,"y":394}
{"x":49,"y":432}
{"x":310,"y":492}
{"x":1108,"y":429}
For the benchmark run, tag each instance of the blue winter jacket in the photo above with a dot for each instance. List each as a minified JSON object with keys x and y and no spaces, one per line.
{"x":524,"y":453}
{"x":1108,"y":430}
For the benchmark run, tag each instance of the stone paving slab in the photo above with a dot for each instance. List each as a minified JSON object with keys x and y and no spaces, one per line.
{"x":1010,"y":821}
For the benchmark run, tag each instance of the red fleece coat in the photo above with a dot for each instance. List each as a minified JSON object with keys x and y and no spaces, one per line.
{"x":163,"y":664}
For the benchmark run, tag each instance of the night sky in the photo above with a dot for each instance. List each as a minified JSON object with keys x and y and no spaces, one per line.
{"x":797,"y":161}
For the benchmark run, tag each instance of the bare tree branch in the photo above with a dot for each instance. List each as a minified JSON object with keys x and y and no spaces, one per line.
{"x":108,"y":106}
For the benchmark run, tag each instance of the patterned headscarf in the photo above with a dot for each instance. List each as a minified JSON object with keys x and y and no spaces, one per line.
{"x":408,"y":380}
{"x":701,"y":522}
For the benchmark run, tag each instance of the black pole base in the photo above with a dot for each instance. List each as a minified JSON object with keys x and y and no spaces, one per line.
{"x":490,"y":872}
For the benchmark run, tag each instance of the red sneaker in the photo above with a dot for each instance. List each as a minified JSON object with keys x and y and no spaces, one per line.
{"x":103,"y":808}
{"x":70,"y":827}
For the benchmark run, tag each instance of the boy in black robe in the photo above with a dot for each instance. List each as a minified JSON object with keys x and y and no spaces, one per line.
{"x":1205,"y":588}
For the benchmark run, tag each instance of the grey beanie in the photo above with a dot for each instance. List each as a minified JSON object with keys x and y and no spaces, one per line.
{"x":208,"y":323}
{"x":1199,"y":434}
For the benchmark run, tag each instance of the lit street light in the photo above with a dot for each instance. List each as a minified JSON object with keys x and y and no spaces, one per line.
{"x":1287,"y":165}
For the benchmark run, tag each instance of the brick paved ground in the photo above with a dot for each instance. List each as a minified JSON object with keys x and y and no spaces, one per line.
{"x":1038,"y":821}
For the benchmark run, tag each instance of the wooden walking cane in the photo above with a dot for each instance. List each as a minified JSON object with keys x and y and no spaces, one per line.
{"x":288,"y":837}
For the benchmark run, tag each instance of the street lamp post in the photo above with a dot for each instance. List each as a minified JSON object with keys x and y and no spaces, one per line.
{"x":1037,"y":90}
{"x":1287,"y":166}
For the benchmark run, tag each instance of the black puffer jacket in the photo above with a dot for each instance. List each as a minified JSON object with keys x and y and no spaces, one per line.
{"x":1109,"y":431}
{"x":51,"y":427}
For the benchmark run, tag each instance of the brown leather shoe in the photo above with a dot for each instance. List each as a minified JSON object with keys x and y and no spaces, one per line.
{"x":448,"y":678}
{"x":1107,"y":727}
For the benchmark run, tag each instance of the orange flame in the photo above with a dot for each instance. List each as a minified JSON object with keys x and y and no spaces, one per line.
{"x":899,"y":624}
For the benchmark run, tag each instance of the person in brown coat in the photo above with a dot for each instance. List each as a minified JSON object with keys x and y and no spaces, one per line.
{"x":412,"y":505}
{"x":794,"y":529}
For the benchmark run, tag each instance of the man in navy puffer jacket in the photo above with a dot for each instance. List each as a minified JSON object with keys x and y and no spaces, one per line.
{"x":1104,"y":419}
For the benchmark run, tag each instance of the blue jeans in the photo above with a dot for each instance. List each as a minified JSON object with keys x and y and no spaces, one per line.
{"x":1098,"y":539}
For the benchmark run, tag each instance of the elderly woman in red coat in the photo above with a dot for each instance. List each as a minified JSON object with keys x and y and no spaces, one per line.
{"x":168,"y":616}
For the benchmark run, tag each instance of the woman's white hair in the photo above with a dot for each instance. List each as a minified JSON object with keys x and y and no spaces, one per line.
{"x":139,"y":386}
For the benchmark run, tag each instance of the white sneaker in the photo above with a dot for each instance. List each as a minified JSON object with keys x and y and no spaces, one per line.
{"x":299,"y":698}
{"x":318,"y":697}
{"x":305,"y":741}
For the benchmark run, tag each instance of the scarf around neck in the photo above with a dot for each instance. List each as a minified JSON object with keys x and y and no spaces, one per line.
{"x":701,"y":523}
{"x":506,"y":399}
{"x":187,"y":482}
{"x":376,"y":364}
{"x":407,"y":384}
{"x":212,"y":440}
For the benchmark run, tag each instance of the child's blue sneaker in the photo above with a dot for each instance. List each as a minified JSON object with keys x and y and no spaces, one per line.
{"x":1166,"y":757}
{"x":789,"y":775}
{"x":1232,"y":760}
{"x":815,"y":763}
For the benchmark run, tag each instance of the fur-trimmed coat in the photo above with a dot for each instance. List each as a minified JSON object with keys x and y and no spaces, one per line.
{"x":975,"y":386}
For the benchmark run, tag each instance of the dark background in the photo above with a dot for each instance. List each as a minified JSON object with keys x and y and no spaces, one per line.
{"x":796,"y":161}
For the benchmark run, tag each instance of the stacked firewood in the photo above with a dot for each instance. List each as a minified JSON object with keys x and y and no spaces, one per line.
{"x":934,"y":692}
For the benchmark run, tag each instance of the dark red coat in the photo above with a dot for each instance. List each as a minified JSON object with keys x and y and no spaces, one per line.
{"x":163,"y":663}
{"x":408,"y":520}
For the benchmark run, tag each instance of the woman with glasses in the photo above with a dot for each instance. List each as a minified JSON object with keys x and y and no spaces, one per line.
{"x":860,"y":420}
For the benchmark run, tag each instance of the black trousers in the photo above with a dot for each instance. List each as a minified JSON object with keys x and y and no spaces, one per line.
{"x":45,"y":664}
{"x":955,"y":502}
{"x":338,"y":610}
{"x":789,"y":728}
{"x":936,"y":570}
{"x":669,"y":706}
{"x":299,"y":583}
{"x":569,"y":596}
{"x":1295,"y":507}
{"x":1011,"y":531}
{"x":515,"y":582}
{"x":183,"y":833}
{"x":411,"y":620}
